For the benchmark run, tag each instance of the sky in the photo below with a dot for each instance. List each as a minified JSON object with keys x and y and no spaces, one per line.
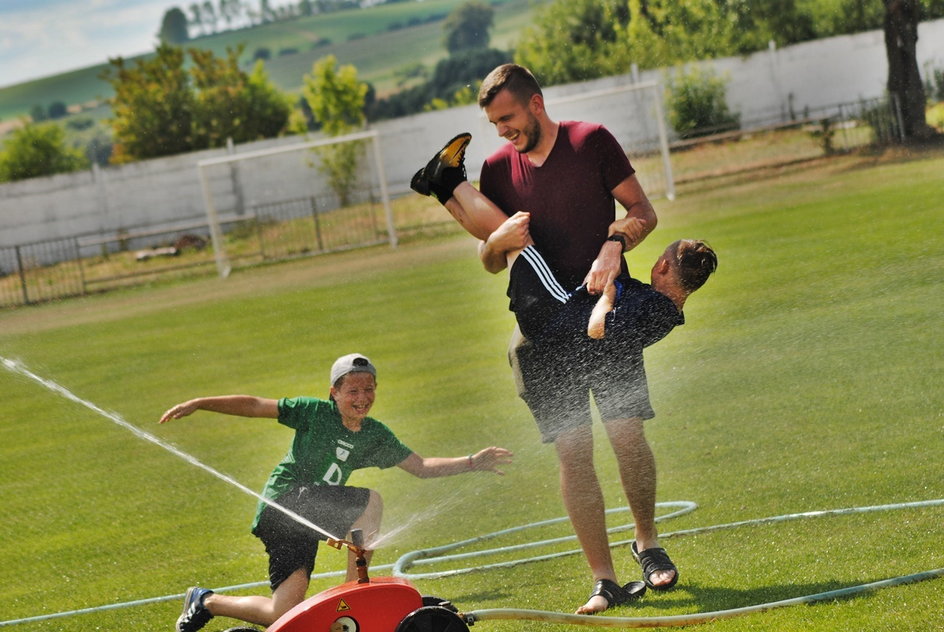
{"x":39,"y":38}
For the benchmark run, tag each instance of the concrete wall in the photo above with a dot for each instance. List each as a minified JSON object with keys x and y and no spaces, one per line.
{"x":761,"y":86}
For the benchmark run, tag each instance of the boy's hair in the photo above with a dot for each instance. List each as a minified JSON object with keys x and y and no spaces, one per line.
{"x":695,"y":261}
{"x":518,"y":80}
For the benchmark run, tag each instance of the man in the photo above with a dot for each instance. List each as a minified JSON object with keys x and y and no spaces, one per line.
{"x":568,"y":176}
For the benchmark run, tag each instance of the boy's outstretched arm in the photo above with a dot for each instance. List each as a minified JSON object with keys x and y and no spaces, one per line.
{"x":485,"y":460}
{"x":239,"y":405}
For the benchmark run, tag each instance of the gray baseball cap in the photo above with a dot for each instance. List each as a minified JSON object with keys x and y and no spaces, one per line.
{"x":351,"y":363}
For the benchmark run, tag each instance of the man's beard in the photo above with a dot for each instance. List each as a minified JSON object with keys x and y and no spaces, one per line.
{"x":533,"y":134}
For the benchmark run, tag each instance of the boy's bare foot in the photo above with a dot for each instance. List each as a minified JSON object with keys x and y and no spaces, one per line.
{"x":596,"y":327}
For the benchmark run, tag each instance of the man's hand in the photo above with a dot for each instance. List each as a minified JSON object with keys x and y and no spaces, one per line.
{"x":605,"y":268}
{"x":513,"y":234}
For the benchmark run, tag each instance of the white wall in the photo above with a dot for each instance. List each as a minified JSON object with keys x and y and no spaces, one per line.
{"x":167,"y":190}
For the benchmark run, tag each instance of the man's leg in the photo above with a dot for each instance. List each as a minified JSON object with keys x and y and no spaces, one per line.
{"x":583,"y":499}
{"x":637,"y":468}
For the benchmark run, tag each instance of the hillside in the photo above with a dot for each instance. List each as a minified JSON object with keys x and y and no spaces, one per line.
{"x":378,"y":41}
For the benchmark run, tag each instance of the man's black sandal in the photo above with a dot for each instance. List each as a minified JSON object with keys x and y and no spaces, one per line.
{"x":652,"y":560}
{"x":615,"y":594}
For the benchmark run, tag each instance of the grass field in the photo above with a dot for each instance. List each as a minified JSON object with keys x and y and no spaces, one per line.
{"x":807,"y":377}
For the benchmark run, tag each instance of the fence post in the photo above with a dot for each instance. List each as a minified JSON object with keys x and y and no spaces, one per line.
{"x":78,"y":259}
{"x":313,"y":205}
{"x":22,"y":272}
{"x":896,"y":104}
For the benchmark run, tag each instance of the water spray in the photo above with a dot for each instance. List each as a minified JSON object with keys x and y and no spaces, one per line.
{"x":15,"y":367}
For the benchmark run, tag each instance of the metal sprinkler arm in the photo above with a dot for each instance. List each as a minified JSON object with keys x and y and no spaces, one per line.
{"x":355,"y":546}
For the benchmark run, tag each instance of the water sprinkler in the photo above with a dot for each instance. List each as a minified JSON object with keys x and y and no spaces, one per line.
{"x":380,"y":604}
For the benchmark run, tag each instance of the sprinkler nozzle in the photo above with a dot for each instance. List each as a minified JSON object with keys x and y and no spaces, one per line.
{"x":355,"y":546}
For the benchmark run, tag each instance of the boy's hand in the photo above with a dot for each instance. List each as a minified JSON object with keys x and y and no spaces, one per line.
{"x":178,"y":411}
{"x":489,"y":458}
{"x":633,"y":230}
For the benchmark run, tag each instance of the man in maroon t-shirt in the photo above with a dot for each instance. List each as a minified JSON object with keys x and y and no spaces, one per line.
{"x":568,"y":176}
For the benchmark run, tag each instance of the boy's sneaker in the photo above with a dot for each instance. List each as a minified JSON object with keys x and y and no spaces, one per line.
{"x":195,"y":615}
{"x":445,"y":171}
{"x":451,"y":155}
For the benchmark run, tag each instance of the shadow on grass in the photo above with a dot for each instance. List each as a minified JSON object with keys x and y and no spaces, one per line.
{"x":703,"y":598}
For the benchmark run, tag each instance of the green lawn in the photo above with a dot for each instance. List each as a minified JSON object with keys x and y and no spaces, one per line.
{"x":807,"y":377}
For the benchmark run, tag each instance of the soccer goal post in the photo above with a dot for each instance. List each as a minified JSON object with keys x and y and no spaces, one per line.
{"x":249,"y":185}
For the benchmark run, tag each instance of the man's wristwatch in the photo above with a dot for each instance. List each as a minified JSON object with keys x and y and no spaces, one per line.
{"x":619,"y":238}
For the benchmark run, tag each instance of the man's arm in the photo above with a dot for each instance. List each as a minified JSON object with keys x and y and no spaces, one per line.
{"x":640,"y":217}
{"x":639,"y":221}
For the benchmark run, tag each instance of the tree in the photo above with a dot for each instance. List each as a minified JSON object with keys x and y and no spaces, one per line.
{"x":174,"y":27}
{"x":904,"y":80}
{"x":573,"y":40}
{"x":467,"y":27}
{"x":38,"y":113}
{"x":57,"y":110}
{"x":196,"y":16}
{"x":209,"y":15}
{"x":160,"y":108}
{"x":152,"y":110}
{"x":38,"y":150}
{"x":336,"y":99}
{"x":231,"y":104}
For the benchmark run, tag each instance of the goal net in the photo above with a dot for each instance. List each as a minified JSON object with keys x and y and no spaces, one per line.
{"x":297,"y":200}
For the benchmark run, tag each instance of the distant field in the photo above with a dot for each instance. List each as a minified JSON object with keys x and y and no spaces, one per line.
{"x":377,"y":51}
{"x":807,"y":377}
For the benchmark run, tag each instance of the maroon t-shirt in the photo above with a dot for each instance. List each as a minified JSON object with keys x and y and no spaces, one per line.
{"x":569,"y":196}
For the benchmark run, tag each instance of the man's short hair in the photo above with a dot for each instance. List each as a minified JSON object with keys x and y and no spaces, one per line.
{"x":695,"y":261}
{"x":518,"y":80}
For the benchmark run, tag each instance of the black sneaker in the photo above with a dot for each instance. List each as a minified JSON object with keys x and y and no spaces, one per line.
{"x":419,"y":183}
{"x":451,"y":155}
{"x":195,"y":615}
{"x":443,"y":173}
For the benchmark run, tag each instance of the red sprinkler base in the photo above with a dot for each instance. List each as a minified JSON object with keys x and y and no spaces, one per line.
{"x":384,"y":604}
{"x":379,"y":604}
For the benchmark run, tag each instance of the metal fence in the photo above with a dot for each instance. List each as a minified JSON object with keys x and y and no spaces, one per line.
{"x":59,"y":268}
{"x":787,"y":137}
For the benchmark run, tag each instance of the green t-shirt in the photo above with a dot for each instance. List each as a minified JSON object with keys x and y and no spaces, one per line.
{"x":323,"y":451}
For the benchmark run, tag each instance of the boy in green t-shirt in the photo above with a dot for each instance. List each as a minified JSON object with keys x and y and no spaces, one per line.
{"x":333,"y":438}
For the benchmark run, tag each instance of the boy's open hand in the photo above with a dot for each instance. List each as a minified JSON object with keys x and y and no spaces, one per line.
{"x":490,"y":458}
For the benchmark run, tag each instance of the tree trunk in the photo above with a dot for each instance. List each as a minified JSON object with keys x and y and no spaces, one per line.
{"x":904,"y":80}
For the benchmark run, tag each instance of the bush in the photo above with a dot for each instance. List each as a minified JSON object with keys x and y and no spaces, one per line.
{"x":697,"y":105}
{"x":934,"y":84}
{"x":38,"y":150}
{"x":935,"y":117}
